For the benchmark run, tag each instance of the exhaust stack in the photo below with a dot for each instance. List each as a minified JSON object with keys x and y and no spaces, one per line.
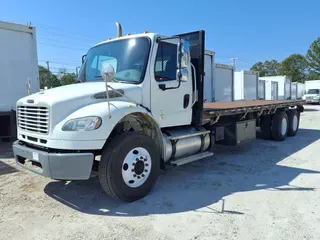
{"x":119,"y":30}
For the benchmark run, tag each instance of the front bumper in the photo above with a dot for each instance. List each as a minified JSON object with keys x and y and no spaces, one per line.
{"x":64,"y":166}
{"x":313,"y":101}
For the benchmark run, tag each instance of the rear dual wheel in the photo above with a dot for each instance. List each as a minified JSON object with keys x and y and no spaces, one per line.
{"x":280,"y":125}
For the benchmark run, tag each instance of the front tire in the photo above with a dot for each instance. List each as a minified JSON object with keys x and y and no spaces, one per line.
{"x":129,"y":166}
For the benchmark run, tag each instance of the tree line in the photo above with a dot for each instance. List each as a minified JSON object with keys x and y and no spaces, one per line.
{"x":50,"y":80}
{"x":299,"y":67}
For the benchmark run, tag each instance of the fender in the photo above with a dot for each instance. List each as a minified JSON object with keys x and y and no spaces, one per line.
{"x":118,"y":110}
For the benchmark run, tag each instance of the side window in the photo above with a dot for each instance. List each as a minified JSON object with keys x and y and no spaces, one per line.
{"x":165,"y":68}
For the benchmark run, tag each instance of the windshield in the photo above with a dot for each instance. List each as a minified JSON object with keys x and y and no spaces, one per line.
{"x":313,"y":91}
{"x":127,"y":56}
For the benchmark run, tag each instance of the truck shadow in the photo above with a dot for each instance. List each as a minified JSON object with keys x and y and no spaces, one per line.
{"x":6,"y":154}
{"x":196,"y":186}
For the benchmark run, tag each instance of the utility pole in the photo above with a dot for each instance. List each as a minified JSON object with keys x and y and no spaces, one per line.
{"x":234,"y":61}
{"x":48,"y":66}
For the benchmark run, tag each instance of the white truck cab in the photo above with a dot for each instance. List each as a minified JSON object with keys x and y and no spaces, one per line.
{"x":137,"y":106}
{"x":61,"y":131}
{"x":312,"y":96}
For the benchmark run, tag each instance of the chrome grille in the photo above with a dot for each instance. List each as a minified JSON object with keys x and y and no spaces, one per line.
{"x":309,"y":98}
{"x":33,"y":119}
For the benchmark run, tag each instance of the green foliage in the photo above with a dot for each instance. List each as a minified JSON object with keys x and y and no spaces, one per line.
{"x":313,"y":56}
{"x":47,"y":79}
{"x":295,"y":66}
{"x":267,"y":68}
{"x":68,"y":78}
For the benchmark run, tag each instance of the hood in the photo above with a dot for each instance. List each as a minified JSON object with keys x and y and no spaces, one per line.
{"x":82,"y":91}
{"x":64,"y":100}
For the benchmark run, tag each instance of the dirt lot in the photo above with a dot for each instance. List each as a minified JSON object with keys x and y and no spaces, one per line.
{"x":263,"y":190}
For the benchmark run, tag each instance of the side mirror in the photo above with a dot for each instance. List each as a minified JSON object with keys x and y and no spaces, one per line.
{"x":107,"y":73}
{"x":183,"y":74}
{"x":183,"y":54}
{"x":84,"y":58}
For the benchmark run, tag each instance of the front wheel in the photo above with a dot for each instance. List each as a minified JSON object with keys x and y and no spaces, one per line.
{"x":129,"y":166}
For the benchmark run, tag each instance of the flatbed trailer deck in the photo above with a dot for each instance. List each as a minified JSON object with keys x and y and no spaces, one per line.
{"x":239,"y":107}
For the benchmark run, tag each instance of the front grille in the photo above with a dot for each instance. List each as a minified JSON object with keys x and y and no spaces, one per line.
{"x":33,"y":119}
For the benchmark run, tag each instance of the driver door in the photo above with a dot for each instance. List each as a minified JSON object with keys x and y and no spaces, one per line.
{"x":175,"y":107}
{"x":170,"y":107}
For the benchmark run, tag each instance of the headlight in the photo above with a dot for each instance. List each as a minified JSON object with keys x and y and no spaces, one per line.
{"x":82,"y":124}
{"x":303,"y":97}
{"x":316,"y":97}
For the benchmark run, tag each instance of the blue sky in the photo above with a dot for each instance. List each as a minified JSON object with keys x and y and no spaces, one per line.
{"x":250,"y":30}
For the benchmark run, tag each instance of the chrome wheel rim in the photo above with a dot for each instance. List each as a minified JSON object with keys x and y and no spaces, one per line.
{"x":136,"y":167}
{"x":294,"y":123}
{"x":284,"y":126}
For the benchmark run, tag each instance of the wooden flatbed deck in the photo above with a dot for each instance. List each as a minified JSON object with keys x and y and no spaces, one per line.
{"x":230,"y":108}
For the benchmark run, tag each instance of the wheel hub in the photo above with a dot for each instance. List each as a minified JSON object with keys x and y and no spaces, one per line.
{"x":136,"y":167}
{"x":139,"y":167}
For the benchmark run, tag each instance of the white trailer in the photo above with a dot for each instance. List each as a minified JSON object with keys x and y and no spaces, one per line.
{"x":245,"y":85}
{"x":223,"y":82}
{"x":18,"y":70}
{"x":297,"y":90}
{"x":284,"y":86}
{"x":312,"y":84}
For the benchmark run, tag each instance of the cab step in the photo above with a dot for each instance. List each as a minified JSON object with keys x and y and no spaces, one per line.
{"x":192,"y":158}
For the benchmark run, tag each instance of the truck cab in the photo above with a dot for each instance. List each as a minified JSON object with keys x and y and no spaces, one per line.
{"x":131,"y":89}
{"x":312,"y":96}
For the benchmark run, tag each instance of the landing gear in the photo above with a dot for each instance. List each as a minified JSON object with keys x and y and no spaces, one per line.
{"x":129,"y":166}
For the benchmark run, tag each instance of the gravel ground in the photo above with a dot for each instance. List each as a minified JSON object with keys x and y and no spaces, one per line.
{"x":262,"y":190}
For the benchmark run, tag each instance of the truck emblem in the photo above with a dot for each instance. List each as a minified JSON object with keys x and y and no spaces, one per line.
{"x":30,"y":101}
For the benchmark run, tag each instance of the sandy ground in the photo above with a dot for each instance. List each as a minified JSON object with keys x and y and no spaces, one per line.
{"x":262,"y":190}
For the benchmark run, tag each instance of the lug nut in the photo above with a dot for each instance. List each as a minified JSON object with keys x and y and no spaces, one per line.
{"x":145,"y":159}
{"x":141,"y":157}
{"x":147,"y":164}
{"x":145,"y":170}
{"x":132,"y":170}
{"x":138,"y":177}
{"x":137,"y":159}
{"x":142,"y":175}
{"x":134,"y":175}
{"x":133,"y":164}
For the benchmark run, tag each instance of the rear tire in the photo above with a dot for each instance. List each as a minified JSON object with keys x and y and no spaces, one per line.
{"x":129,"y":166}
{"x":293,"y":122}
{"x":279,"y":126}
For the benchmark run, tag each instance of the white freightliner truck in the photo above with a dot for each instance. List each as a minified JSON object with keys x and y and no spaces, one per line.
{"x":138,"y":106}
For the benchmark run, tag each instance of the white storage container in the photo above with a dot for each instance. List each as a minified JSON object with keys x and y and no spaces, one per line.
{"x":262,"y":90}
{"x":246,"y":85}
{"x":208,"y":84}
{"x":284,"y":86}
{"x":18,"y":63}
{"x":218,"y":80}
{"x":297,"y":90}
{"x":223,"y":79}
